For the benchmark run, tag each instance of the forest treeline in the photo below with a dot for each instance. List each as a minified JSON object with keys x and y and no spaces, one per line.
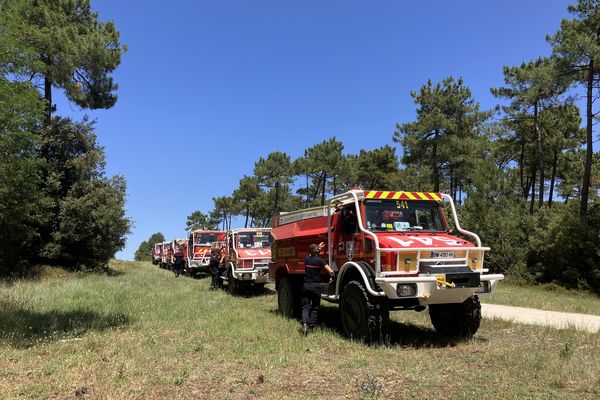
{"x":57,"y":206}
{"x":524,"y":173}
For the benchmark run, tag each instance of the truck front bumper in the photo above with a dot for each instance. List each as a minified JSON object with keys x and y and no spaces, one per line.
{"x":438,"y":290}
{"x":257,"y":275}
{"x":200,"y":264}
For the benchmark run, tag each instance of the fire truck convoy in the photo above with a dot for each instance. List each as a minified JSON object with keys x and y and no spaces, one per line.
{"x":248,"y":254}
{"x":390,"y":250}
{"x":198,"y":247}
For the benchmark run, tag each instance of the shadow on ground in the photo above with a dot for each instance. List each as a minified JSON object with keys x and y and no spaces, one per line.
{"x":21,"y":327}
{"x":249,"y":291}
{"x":399,"y":334}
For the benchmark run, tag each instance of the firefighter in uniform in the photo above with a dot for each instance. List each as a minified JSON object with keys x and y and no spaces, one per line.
{"x":311,"y":291}
{"x":216,"y":259}
{"x":178,"y":256}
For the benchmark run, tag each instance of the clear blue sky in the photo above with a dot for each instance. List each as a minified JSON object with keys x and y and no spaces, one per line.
{"x":207,"y":87}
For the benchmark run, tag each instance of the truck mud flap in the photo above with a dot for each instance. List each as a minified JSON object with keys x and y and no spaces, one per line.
{"x":464,"y":280}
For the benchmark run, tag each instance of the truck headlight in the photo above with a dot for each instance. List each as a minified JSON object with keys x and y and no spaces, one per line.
{"x":406,"y":289}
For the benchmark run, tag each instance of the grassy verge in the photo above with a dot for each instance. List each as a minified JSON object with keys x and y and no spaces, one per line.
{"x":544,"y":297}
{"x":144,"y":334}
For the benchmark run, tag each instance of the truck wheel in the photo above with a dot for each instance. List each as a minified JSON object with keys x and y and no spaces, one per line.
{"x":232,"y":284}
{"x":364,"y":317}
{"x":459,"y":321}
{"x":289,"y":298}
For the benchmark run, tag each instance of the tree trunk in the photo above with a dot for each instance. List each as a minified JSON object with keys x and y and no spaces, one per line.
{"x":552,"y":178}
{"x":533,"y":176}
{"x":452,"y":185}
{"x":317,"y":186}
{"x":307,"y":196}
{"x":247,"y":213}
{"x":48,"y":92}
{"x":324,"y":188}
{"x":276,"y":206}
{"x":524,"y":185}
{"x":587,"y":171}
{"x":436,"y":172}
{"x":540,"y":141}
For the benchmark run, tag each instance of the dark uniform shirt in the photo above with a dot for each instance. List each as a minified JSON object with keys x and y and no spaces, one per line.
{"x":214,"y":262}
{"x":312,"y":269}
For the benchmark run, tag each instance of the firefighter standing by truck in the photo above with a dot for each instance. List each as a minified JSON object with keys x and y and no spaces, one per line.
{"x":216,"y":259}
{"x":178,"y":259}
{"x":311,"y":291}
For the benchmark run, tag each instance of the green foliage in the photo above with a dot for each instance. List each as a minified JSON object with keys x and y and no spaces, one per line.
{"x":576,"y":48}
{"x":246,"y":197}
{"x":56,"y":205}
{"x":91,"y":224}
{"x":564,"y":250}
{"x":223,"y":211}
{"x":74,"y":50}
{"x":21,"y":203}
{"x":374,"y":169}
{"x":86,"y":219}
{"x":494,"y":211}
{"x":445,"y":134}
{"x":199,"y":220}
{"x":322,"y":165}
{"x":144,"y":252}
{"x":275,"y":172}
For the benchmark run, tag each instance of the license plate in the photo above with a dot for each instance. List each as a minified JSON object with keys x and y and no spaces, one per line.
{"x":443,"y":254}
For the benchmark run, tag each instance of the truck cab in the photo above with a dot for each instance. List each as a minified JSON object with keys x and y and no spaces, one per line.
{"x":391,"y":250}
{"x":166,"y":254}
{"x":248,"y":254}
{"x":198,"y":248}
{"x":156,"y":253}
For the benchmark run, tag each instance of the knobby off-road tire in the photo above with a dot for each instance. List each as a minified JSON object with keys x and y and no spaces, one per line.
{"x":289,"y":298}
{"x":364,"y":317}
{"x":457,"y":321}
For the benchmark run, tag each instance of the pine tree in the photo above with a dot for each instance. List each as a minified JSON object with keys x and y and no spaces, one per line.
{"x":576,"y":46}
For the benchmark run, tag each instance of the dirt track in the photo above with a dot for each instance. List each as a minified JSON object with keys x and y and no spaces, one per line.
{"x":531,"y":316}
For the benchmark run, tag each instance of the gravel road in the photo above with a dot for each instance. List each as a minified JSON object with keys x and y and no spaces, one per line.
{"x":532,"y":316}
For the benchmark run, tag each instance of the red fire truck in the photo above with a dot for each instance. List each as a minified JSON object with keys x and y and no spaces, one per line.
{"x":156,"y":253}
{"x":198,"y":249}
{"x":248,"y":254}
{"x":391,"y":250}
{"x":166,"y":254}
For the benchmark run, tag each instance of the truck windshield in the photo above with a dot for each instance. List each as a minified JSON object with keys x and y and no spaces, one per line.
{"x":205,"y":238}
{"x":255,"y":240}
{"x":404,"y":215}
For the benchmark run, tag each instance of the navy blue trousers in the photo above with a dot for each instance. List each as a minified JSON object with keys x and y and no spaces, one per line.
{"x":311,"y":300}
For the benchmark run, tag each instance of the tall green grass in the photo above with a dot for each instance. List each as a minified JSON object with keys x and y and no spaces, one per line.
{"x":142,"y":333}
